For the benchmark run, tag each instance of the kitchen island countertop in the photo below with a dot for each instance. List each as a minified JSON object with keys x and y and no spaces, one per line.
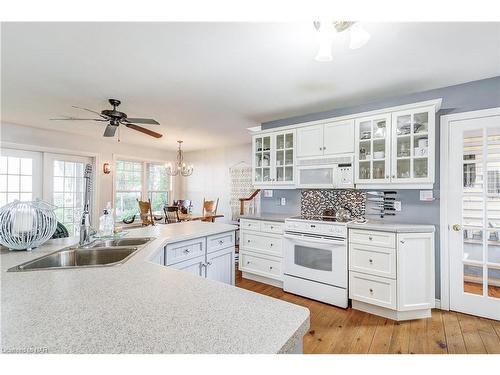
{"x":140,"y":306}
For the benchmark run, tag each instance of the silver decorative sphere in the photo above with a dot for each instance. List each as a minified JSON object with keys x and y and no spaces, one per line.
{"x":26,"y":225}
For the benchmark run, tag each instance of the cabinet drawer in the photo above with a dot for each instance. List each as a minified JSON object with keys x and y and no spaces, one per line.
{"x":261,"y":266}
{"x":374,"y":260}
{"x":271,"y":227}
{"x":180,"y":251}
{"x":271,"y":245}
{"x":250,"y":224}
{"x":375,"y":290}
{"x":220,"y":241}
{"x":368,"y":237}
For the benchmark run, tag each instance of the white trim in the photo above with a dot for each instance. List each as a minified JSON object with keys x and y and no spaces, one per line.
{"x":396,"y":186}
{"x":437,"y":304}
{"x":445,"y":122}
{"x":435,"y":102}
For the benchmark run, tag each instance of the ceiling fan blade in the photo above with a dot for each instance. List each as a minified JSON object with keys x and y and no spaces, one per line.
{"x":144,"y":130}
{"x":74,"y":118}
{"x":149,"y":121}
{"x":90,"y":110}
{"x":110,"y":130}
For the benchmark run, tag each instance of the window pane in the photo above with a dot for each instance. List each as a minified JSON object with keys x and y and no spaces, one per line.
{"x":158,"y":200}
{"x":126,"y":204}
{"x":13,"y":165}
{"x":26,"y":166}
{"x":3,"y":164}
{"x":13,"y":183}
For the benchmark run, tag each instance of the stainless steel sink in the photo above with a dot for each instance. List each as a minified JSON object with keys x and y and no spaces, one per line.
{"x":119,"y":242}
{"x":115,"y":252}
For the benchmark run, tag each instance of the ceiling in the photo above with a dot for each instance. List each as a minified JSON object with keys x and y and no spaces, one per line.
{"x":207,"y":82}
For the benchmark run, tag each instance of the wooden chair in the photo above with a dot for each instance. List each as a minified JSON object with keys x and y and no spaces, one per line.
{"x":171,"y":214}
{"x":183,"y":205}
{"x":210,"y":207}
{"x":146,"y":212}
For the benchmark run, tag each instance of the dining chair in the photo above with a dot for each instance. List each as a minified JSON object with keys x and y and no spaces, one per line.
{"x":171,"y":214}
{"x":146,"y":212}
{"x":210,"y":208}
{"x":184,"y":205}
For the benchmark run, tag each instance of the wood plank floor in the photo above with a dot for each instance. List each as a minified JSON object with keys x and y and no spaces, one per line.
{"x":335,"y":330}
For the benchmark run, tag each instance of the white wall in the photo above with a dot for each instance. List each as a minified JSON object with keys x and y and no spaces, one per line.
{"x":211,"y":178}
{"x":49,"y":140}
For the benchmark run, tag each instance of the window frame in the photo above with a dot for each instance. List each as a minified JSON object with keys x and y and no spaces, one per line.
{"x":144,"y":180}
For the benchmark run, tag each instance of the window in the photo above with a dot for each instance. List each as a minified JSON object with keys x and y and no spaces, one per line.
{"x":139,"y":180}
{"x":158,"y":186}
{"x":20,"y":176}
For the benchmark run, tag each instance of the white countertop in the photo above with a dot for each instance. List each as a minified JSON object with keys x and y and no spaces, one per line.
{"x":385,"y":226}
{"x":139,"y":306}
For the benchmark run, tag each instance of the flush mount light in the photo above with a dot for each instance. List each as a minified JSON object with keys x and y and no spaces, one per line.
{"x":326,"y":33}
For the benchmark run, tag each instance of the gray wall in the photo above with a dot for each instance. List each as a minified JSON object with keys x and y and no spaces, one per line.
{"x":459,"y":98}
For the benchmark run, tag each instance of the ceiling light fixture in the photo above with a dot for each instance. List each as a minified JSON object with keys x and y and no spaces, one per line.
{"x":326,"y":33}
{"x":180,"y":167}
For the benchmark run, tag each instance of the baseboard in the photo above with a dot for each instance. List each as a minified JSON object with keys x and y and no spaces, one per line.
{"x":437,"y":304}
{"x":262,"y":279}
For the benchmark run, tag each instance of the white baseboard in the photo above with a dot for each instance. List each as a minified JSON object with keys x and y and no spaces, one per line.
{"x":438,"y":304}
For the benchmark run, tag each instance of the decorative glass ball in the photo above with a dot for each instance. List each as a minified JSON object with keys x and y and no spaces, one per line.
{"x":26,"y":225}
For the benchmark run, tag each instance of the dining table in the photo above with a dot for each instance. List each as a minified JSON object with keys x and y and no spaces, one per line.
{"x":195,"y":216}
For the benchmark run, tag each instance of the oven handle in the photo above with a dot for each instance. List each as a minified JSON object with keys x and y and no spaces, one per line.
{"x":322,"y":240}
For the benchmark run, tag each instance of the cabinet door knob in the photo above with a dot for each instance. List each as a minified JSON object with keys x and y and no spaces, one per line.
{"x":456,"y":227}
{"x":387,"y":176}
{"x":371,"y":290}
{"x":393,"y":176}
{"x":370,"y":260}
{"x":402,"y":241}
{"x":221,"y":242}
{"x":321,"y":148}
{"x":324,"y":147}
{"x":209,"y":263}
{"x":248,"y":262}
{"x":370,"y":238}
{"x":272,"y":227}
{"x":270,"y":267}
{"x":271,"y":245}
{"x":248,"y":241}
{"x":186,"y":251}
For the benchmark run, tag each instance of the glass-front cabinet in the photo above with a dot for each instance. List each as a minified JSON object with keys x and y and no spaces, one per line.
{"x":373,"y":149}
{"x":274,"y":158}
{"x":396,"y":148}
{"x":413,"y":145}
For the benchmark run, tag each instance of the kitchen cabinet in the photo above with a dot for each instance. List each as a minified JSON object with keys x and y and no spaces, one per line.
{"x":220,"y":266}
{"x":274,"y":159}
{"x":211,"y":257}
{"x":261,"y":251}
{"x":396,"y":148}
{"x":373,"y":145}
{"x":413,"y":146}
{"x":332,"y":138}
{"x":392,"y":274}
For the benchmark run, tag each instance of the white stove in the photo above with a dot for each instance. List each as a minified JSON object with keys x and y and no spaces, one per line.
{"x":315,"y":255}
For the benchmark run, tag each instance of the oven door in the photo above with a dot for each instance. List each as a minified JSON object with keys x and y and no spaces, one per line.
{"x":317,"y":258}
{"x":316,"y":176}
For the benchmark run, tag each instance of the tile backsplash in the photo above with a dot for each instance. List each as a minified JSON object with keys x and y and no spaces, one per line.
{"x":314,"y":202}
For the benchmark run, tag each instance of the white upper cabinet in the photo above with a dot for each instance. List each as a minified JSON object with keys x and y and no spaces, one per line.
{"x":310,"y":141}
{"x":372,"y":156}
{"x":332,"y":138}
{"x":413,"y":146}
{"x":274,"y":159}
{"x":338,"y":137}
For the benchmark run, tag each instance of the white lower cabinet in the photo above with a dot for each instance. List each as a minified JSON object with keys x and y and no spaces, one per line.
{"x":261,"y":251}
{"x":220,"y":266}
{"x":392,"y":275}
{"x":211,"y":257}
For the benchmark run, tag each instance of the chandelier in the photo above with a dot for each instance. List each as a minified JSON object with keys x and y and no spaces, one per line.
{"x":326,"y":33}
{"x":180,"y":167}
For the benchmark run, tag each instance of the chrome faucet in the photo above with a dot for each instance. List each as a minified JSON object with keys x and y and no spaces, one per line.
{"x":86,"y":231}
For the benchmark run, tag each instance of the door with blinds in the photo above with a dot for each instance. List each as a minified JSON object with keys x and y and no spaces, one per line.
{"x":474,"y":216}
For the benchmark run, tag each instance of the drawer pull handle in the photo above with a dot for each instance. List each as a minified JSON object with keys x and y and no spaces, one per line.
{"x":371,"y":290}
{"x":313,"y":226}
{"x":370,"y":260}
{"x":402,"y":241}
{"x":270,"y":267}
{"x":248,"y":241}
{"x":186,"y":251}
{"x":272,"y":227}
{"x":370,"y":238}
{"x":248,"y":262}
{"x":221,"y":242}
{"x":209,"y":263}
{"x":271,"y":245}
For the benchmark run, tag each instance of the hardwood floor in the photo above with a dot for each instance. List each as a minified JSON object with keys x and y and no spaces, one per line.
{"x":335,"y":330}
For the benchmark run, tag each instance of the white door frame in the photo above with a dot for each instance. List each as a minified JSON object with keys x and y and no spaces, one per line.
{"x":445,"y":123}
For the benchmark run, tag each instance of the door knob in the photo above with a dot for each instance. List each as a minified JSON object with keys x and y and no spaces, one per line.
{"x":456,"y":227}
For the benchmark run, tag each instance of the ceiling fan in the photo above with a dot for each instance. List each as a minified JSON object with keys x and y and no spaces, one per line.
{"x":115,"y":118}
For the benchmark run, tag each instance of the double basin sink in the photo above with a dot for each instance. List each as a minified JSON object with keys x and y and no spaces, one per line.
{"x":100,"y":253}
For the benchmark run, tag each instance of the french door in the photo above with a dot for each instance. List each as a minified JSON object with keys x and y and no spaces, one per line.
{"x":63,"y":186}
{"x":474,"y":216}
